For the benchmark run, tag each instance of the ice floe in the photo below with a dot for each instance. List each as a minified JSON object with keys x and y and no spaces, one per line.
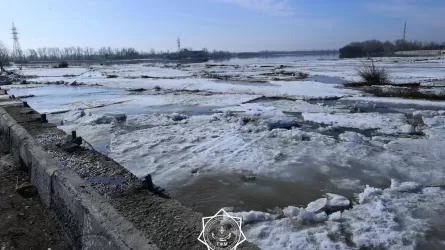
{"x":398,"y":217}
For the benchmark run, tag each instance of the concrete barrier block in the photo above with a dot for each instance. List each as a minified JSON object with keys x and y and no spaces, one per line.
{"x":5,"y":124}
{"x":67,"y":205}
{"x":2,"y":111}
{"x":104,"y":224}
{"x":93,"y":223}
{"x":18,"y":136}
{"x":41,"y":168}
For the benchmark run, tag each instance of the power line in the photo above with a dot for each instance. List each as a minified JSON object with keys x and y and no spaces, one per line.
{"x":17,"y":54}
{"x":179,"y":44}
{"x":404,"y":32}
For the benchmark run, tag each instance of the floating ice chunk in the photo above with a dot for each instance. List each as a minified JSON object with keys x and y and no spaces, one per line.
{"x":253,"y":216}
{"x":404,"y":186}
{"x":335,"y":216}
{"x":368,"y":193}
{"x":431,"y":190}
{"x":148,"y":120}
{"x":305,"y":216}
{"x":436,"y":133}
{"x":426,"y":113}
{"x":320,"y":217}
{"x":317,"y":205}
{"x":228,"y":209}
{"x":328,"y":128}
{"x":380,"y":138}
{"x":395,"y":183}
{"x":337,"y":201}
{"x":103,"y":120}
{"x":120,"y":117}
{"x":435,"y":121}
{"x":73,"y":115}
{"x":352,"y":137}
{"x":407,"y":129}
{"x":300,"y":135}
{"x":332,"y":202}
{"x":291,"y":211}
{"x":281,"y":122}
{"x":177,"y":117}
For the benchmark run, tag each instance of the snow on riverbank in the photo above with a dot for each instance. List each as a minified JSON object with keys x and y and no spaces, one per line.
{"x":396,"y":218}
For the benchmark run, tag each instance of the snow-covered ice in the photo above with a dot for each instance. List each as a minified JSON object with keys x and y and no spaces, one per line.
{"x":392,"y":218}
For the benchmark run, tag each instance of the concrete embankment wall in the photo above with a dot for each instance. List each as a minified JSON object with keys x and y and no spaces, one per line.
{"x":89,"y":220}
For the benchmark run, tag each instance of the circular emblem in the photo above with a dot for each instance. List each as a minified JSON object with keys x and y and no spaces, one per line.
{"x":221,"y":231}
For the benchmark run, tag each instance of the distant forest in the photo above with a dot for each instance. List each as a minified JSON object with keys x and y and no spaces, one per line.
{"x":76,"y":53}
{"x":379,"y":48}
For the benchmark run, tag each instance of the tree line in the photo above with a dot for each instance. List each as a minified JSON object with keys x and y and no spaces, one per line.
{"x":387,"y":48}
{"x":75,"y":53}
{"x":87,"y":53}
{"x":108,"y":53}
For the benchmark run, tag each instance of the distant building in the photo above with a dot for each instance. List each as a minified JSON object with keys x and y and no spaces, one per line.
{"x":420,"y":53}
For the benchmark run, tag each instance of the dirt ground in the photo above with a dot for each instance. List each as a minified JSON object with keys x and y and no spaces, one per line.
{"x":24,"y":223}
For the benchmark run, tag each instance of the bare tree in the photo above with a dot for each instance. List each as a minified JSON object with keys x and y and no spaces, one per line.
{"x":4,"y":56}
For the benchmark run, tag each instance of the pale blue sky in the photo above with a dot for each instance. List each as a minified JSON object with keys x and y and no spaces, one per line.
{"x":235,"y":25}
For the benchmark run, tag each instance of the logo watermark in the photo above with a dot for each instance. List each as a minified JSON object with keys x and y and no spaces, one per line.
{"x":221,"y":231}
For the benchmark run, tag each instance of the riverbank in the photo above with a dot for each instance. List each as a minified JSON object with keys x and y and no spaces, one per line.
{"x":25,"y":222}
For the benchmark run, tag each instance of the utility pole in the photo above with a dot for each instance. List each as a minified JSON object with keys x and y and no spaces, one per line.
{"x":179,"y":44}
{"x":404,"y":32}
{"x":17,"y":50}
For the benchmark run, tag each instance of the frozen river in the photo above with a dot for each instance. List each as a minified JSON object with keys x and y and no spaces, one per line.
{"x":218,"y":135}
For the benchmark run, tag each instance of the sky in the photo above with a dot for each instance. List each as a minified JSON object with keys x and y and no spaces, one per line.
{"x":233,"y":25}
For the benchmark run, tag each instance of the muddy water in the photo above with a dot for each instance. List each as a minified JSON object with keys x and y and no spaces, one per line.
{"x":207,"y":193}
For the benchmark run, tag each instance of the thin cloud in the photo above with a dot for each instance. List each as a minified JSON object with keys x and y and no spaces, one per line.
{"x":270,"y":7}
